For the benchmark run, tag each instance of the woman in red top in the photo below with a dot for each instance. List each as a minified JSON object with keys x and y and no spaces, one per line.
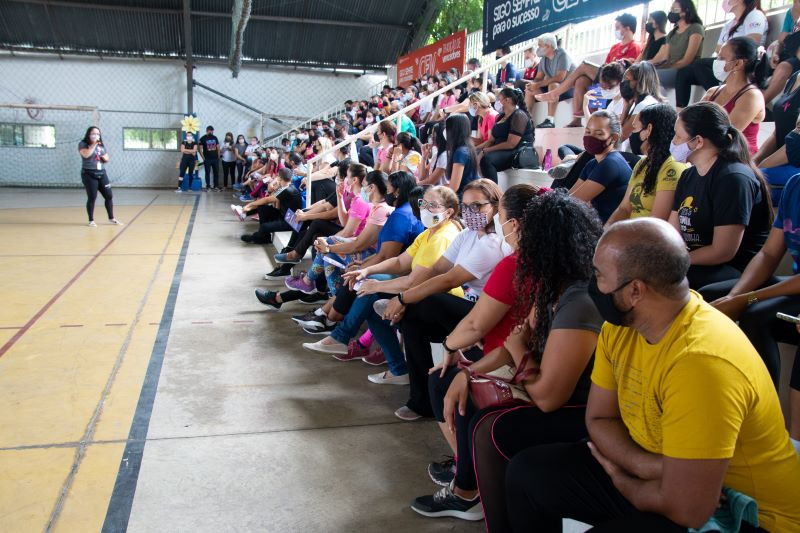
{"x":739,"y":94}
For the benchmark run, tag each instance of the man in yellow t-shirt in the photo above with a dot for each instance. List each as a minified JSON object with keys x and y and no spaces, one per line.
{"x":681,"y":406}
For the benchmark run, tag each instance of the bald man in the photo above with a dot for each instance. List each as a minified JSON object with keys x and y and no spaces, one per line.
{"x":681,"y":406}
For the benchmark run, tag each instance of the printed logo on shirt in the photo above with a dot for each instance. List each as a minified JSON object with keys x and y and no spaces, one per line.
{"x":636,"y":198}
{"x":685,"y":212}
{"x":671,"y":174}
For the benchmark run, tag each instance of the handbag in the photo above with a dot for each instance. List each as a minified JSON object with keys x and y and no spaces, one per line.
{"x":525,"y":156}
{"x":499,"y":387}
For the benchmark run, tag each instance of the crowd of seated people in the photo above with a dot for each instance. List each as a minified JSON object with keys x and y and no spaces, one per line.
{"x":609,"y":345}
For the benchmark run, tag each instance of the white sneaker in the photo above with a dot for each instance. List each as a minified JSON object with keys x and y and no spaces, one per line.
{"x":115,"y":222}
{"x":92,"y":224}
{"x":178,"y":190}
{"x":404,"y":413}
{"x":387,"y":378}
{"x":337,"y":348}
{"x":239,"y":212}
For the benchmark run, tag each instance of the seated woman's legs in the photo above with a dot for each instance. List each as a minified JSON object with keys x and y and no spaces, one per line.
{"x":685,"y":78}
{"x":582,"y":85}
{"x":494,"y":162}
{"x":701,"y":275}
{"x":429,"y":320}
{"x":386,"y":335}
{"x":668,"y":77}
{"x":317,"y":228}
{"x":777,"y":178}
{"x":355,"y":317}
{"x":499,"y":436}
{"x":764,"y":330}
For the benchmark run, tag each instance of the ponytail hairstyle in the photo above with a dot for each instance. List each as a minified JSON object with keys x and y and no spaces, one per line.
{"x":408,"y":142}
{"x":378,"y":179}
{"x":711,"y":122}
{"x":516,"y":96}
{"x":414,"y":196}
{"x":614,"y":124}
{"x":746,"y":50}
{"x":662,"y":118}
{"x":749,"y":5}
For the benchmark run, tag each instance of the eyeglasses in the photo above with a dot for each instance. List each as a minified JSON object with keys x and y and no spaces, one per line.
{"x":474,"y":207}
{"x":424,"y":204}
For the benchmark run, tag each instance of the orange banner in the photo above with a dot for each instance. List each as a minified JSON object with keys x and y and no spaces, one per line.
{"x":437,"y":57}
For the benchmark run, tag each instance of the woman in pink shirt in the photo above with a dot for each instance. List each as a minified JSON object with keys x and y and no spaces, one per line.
{"x":479,"y":105}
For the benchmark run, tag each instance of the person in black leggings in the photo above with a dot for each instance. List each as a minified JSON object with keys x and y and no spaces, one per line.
{"x":512,"y":129}
{"x":93,"y":173}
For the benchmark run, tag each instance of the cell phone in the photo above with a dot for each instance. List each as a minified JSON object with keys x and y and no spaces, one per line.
{"x":788,"y":318}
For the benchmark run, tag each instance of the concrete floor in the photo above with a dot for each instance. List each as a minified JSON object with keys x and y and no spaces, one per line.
{"x":248,"y":431}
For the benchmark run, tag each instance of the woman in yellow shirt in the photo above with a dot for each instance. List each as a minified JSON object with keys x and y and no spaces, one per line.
{"x":651,"y":189}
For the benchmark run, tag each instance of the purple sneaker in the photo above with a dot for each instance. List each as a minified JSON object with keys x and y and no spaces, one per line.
{"x":296,"y":283}
{"x":354,"y":351}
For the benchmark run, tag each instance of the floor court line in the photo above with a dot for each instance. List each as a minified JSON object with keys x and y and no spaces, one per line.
{"x":18,"y":335}
{"x":91,"y":426}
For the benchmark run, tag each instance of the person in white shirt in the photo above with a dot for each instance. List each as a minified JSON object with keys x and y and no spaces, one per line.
{"x":748,"y":21}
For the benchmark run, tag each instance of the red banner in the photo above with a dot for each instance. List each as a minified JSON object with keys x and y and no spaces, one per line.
{"x":437,"y":57}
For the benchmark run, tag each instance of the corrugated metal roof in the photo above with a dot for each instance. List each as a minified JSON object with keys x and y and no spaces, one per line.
{"x":345,"y":33}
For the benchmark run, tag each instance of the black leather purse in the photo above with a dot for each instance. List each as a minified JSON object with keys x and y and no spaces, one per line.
{"x":525,"y":156}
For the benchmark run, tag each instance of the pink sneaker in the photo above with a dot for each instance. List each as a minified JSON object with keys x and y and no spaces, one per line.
{"x":376,"y":358}
{"x":296,"y":283}
{"x":354,"y":351}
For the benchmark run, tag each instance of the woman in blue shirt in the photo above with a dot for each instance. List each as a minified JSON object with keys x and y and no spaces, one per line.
{"x":461,"y":157}
{"x":604,"y":179}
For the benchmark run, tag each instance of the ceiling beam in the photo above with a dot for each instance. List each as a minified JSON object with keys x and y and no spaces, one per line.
{"x":214,"y":14}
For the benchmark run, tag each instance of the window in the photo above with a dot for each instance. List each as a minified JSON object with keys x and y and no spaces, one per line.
{"x":27,"y":135}
{"x":150,"y":138}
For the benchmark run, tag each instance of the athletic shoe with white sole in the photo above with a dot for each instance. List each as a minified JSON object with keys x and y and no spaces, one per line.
{"x":404,"y":413}
{"x":268,"y":298}
{"x":443,"y":472}
{"x":115,"y":222}
{"x":92,"y":224}
{"x":310,"y":319}
{"x":387,"y":378}
{"x":283,"y":258}
{"x":445,"y":502}
{"x":239,"y":212}
{"x":324,"y":329}
{"x":278,"y":274}
{"x":325,"y":348}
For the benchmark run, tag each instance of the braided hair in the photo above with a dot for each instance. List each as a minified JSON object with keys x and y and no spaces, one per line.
{"x":662,"y":117}
{"x":556,"y":246}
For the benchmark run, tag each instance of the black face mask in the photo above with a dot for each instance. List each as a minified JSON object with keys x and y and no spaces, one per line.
{"x":636,"y":142}
{"x":605,"y":303}
{"x":649,"y":28}
{"x":625,"y":90}
{"x":673,"y":17}
{"x":390,"y":198}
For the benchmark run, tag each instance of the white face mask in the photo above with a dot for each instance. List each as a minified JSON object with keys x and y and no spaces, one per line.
{"x":528,"y":63}
{"x":608,"y":94}
{"x":498,"y":106}
{"x":618,"y":34}
{"x":719,"y":69}
{"x":369,"y":120}
{"x":94,"y":137}
{"x":472,"y":111}
{"x":506,"y":248}
{"x":680,"y":152}
{"x":189,"y":138}
{"x":429,"y":219}
{"x":274,"y":156}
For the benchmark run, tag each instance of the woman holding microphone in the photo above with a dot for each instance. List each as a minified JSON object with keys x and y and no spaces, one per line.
{"x":93,"y":174}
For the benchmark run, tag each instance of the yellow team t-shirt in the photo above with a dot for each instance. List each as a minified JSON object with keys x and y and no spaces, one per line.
{"x":427,"y":249}
{"x":703,"y":392}
{"x":667,"y":179}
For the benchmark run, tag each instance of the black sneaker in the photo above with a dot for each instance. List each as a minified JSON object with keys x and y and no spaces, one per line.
{"x":443,"y":472}
{"x":268,"y":298}
{"x":546,"y":123}
{"x":444,"y":502}
{"x":278,"y":274}
{"x":309,"y":319}
{"x":320,"y":329}
{"x":247,"y":238}
{"x":313,"y":299}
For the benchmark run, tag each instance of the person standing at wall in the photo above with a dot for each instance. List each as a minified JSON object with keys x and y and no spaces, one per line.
{"x":210,"y":145}
{"x":188,"y":160}
{"x":93,"y":174}
{"x":239,"y":150}
{"x":228,"y":161}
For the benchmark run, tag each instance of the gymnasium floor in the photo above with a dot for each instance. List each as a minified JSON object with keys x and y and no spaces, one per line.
{"x":145,"y":388}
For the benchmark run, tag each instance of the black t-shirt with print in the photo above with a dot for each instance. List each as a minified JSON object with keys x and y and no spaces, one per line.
{"x":729,"y":194}
{"x":189,"y":146}
{"x":210,"y":145}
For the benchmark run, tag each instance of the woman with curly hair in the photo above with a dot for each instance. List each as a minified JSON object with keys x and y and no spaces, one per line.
{"x":554,"y":339}
{"x":651,"y":188}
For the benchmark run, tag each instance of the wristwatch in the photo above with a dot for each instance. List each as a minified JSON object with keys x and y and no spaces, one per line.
{"x":752,"y":298}
{"x":446,"y":347}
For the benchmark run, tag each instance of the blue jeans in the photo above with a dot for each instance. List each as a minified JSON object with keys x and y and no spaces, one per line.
{"x":386,"y":335}
{"x":777,"y":178}
{"x":361,"y":308}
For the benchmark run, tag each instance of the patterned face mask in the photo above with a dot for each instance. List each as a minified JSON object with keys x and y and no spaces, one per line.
{"x":475,"y":221}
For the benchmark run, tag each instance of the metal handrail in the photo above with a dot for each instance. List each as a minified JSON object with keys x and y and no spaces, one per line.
{"x":351,"y":139}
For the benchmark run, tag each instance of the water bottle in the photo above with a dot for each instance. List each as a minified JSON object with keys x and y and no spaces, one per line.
{"x":548,"y":159}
